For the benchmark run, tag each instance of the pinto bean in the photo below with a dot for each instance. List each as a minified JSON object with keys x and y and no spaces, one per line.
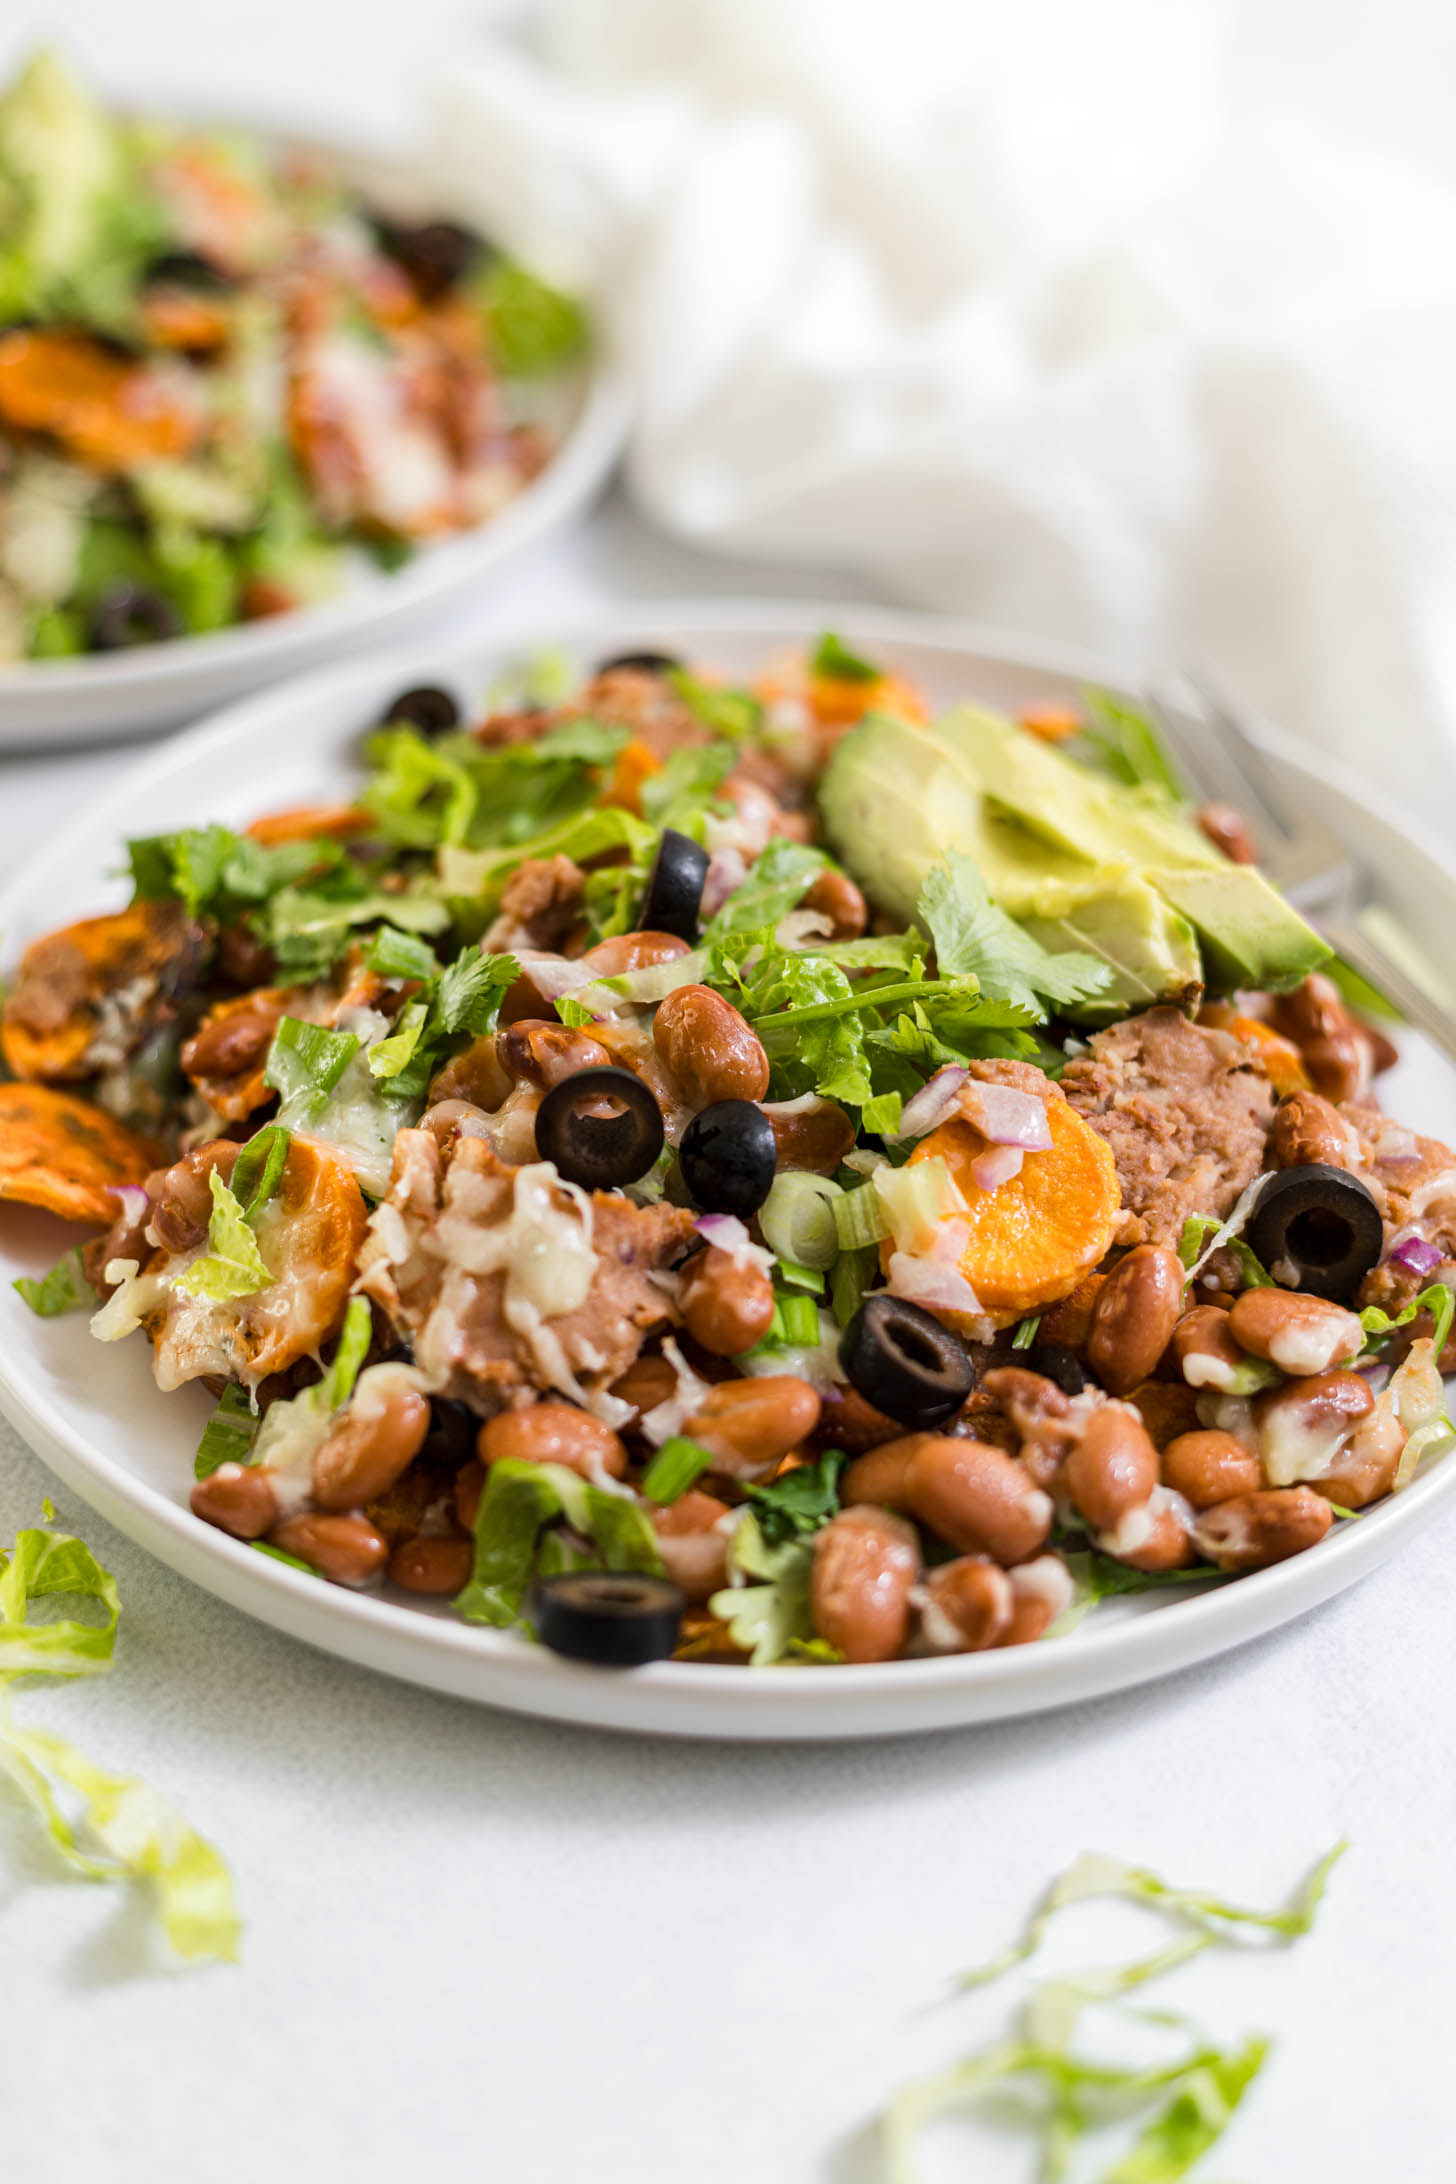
{"x":708,"y":1049}
{"x":1299,"y":1334}
{"x":865,"y":1565}
{"x":1041,"y":1590}
{"x":346,"y":1549}
{"x":633,"y":952}
{"x":469,"y":1486}
{"x":1042,"y":1414}
{"x":1206,"y":1351}
{"x":183,"y":1207}
{"x":535,"y":1052}
{"x":1134,"y":1316}
{"x":437,"y":1563}
{"x":727,"y":1307}
{"x":1307,"y":1131}
{"x":227,"y":1044}
{"x":475,"y":1076}
{"x":1253,"y":1530}
{"x":747,"y":1425}
{"x":376,"y":1436}
{"x":1209,"y":1467}
{"x":968,"y":1606}
{"x":1302,"y":1425}
{"x":1228,"y":830}
{"x":552,"y":1433}
{"x":694,"y":1553}
{"x":648,"y":1381}
{"x":1365,"y":1467}
{"x":237,"y":1498}
{"x":847,"y":1421}
{"x":1152,"y":1535}
{"x":1113,"y":1467}
{"x":835,"y":896}
{"x":975,"y":1497}
{"x":810,"y":1133}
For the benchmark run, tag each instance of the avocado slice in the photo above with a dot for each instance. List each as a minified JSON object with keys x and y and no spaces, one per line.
{"x":1079,"y":862}
{"x":1250,"y":935}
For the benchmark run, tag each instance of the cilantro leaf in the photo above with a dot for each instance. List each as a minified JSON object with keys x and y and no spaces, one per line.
{"x":973,"y":938}
{"x":471,"y":991}
{"x":64,"y":1289}
{"x":832,"y":657}
{"x":801,"y":1500}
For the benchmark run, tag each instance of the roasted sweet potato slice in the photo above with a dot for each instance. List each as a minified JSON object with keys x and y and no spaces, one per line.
{"x":63,"y":1154}
{"x":86,"y":997}
{"x":226,"y":1055}
{"x":308,"y":822}
{"x":108,"y":411}
{"x":1034,"y":1238}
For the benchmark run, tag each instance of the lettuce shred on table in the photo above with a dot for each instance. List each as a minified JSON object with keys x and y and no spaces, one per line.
{"x":139,"y":1835}
{"x":1181,"y":2105}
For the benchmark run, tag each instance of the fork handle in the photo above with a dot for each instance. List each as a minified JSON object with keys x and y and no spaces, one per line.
{"x":1403,"y":992}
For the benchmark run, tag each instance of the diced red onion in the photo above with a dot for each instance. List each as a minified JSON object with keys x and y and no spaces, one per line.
{"x":554,"y":975}
{"x":727,"y":871}
{"x":1415,"y":1255}
{"x":1000,"y":1164}
{"x":1375,"y":1374}
{"x":931,"y":1282}
{"x":1395,"y":1148}
{"x":134,"y":1201}
{"x":1008,"y":1117}
{"x":932,"y":1103}
{"x":725,"y":1232}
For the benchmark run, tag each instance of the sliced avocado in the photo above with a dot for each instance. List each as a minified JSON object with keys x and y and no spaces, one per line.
{"x":1080,"y":862}
{"x":1150,"y":949}
{"x":1250,"y":935}
{"x":58,"y":157}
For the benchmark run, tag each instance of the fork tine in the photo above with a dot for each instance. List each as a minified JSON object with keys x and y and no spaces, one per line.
{"x":1305,"y":858}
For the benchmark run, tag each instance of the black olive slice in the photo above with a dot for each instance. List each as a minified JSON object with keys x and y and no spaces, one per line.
{"x":601,"y":1128}
{"x":728,"y":1156}
{"x":433,"y":712}
{"x":436,"y":254}
{"x":132,"y":614}
{"x":1318,"y":1225}
{"x":617,"y":1618}
{"x":186,"y":269}
{"x":645,"y":663}
{"x":900,"y":1359}
{"x":675,"y":887}
{"x":1055,"y":1364}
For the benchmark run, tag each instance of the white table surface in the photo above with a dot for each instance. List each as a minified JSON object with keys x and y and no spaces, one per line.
{"x":481,"y":1946}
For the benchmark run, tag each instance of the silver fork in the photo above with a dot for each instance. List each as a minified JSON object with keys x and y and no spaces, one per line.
{"x":1313,"y":869}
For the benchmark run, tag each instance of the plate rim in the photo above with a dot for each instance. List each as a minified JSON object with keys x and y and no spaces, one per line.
{"x":672,"y":1698}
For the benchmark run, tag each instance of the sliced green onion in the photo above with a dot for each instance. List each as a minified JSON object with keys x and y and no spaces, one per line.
{"x":673,"y":1469}
{"x":832,"y":657}
{"x":802,"y":1277}
{"x":259,"y":1168}
{"x":387,"y":1057}
{"x":799,"y":1318}
{"x":354,"y":1341}
{"x":1025,"y":1334}
{"x":854,"y":1272}
{"x":798,"y":1219}
{"x":307,"y":1059}
{"x":859,"y":1218}
{"x":64,"y":1289}
{"x":281,"y":1554}
{"x":228,"y":1436}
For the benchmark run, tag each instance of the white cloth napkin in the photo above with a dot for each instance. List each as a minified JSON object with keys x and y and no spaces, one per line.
{"x":985,"y":304}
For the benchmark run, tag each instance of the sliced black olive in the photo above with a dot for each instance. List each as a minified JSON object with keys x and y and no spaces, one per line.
{"x":900,"y":1358}
{"x":675,"y":887}
{"x":1054,"y":1364}
{"x":727,"y":1157}
{"x":617,"y":1618}
{"x":433,"y":712}
{"x":186,"y":269}
{"x":1320,"y":1224}
{"x":645,"y":663}
{"x":132,"y":614}
{"x":450,"y":1439}
{"x":601,"y":1128}
{"x":436,"y":254}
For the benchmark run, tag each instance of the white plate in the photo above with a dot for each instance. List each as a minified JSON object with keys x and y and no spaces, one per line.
{"x":94,"y":1414}
{"x":105,"y":698}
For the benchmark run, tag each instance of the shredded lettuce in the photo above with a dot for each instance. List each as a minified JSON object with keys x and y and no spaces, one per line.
{"x":1181,"y":2107}
{"x":1193,"y":1247}
{"x":228,"y":1436}
{"x":730,"y":712}
{"x":64,"y":1289}
{"x":1439,"y":1301}
{"x":233,"y":1266}
{"x":519,"y":1502}
{"x":534,"y":328}
{"x":141,"y":1836}
{"x":770,"y":1620}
